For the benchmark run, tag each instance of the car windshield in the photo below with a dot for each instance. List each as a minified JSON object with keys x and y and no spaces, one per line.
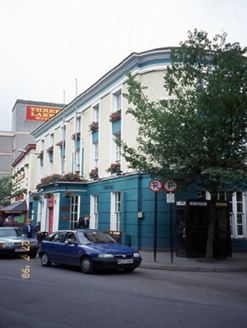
{"x":95,"y":237}
{"x":10,"y":233}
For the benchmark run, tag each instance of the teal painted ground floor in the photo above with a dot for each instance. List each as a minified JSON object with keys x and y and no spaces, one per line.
{"x":126,"y":203}
{"x":123,"y":203}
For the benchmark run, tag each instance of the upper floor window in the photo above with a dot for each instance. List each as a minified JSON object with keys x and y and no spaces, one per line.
{"x":116,"y":148}
{"x":51,"y":139}
{"x":78,"y":124}
{"x":96,"y":113}
{"x":117,"y":101}
{"x":95,"y":154}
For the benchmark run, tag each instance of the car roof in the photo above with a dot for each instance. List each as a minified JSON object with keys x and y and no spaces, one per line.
{"x":76,"y":230}
{"x":6,"y":228}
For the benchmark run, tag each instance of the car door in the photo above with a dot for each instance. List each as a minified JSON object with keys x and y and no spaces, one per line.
{"x":70,"y":252}
{"x":54,"y":247}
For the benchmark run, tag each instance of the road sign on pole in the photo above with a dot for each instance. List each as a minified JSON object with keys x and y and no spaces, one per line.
{"x":155,"y":185}
{"x":170,"y":185}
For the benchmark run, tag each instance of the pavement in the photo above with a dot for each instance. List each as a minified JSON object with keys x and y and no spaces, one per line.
{"x":167,"y":261}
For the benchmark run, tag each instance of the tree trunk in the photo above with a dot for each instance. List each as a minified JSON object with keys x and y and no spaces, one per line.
{"x":211,"y":229}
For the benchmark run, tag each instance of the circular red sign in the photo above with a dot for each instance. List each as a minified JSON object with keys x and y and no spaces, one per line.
{"x":170,"y":185}
{"x":155,"y":185}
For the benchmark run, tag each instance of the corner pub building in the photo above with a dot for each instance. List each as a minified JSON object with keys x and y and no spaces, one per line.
{"x":80,"y":169}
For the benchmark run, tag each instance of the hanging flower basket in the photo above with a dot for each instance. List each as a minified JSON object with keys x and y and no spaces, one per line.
{"x":76,"y":136}
{"x":35,"y":197}
{"x":94,"y":127}
{"x":115,"y":116}
{"x":61,"y":143}
{"x":94,"y":174}
{"x":50,"y":149}
{"x":68,"y":194}
{"x":48,"y":194}
{"x":114,"y":168}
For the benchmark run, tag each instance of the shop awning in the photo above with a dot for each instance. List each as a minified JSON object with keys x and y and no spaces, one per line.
{"x":15,"y":207}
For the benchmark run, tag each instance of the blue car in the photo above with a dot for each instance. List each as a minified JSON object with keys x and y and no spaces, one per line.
{"x":89,"y":249}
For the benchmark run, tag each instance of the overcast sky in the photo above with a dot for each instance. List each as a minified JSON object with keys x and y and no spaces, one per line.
{"x":47,"y":44}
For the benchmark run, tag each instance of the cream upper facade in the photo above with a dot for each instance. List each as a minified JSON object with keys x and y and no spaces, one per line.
{"x":63,"y":154}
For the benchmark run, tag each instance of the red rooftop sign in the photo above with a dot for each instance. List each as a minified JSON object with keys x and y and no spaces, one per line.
{"x":41,"y":114}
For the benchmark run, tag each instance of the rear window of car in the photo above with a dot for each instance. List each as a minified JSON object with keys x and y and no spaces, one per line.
{"x":10,"y":233}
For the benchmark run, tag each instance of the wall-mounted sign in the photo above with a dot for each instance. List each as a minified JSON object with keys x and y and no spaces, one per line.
{"x":39,"y":113}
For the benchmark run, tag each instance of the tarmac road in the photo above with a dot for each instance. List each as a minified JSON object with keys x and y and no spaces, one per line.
{"x":63,"y":297}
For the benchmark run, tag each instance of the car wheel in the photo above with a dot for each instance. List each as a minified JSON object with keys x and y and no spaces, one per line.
{"x":86,"y":265}
{"x":45,"y":260}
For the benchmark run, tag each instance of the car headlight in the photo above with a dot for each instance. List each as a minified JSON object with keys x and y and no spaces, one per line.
{"x":34,"y":244}
{"x":105,"y":256}
{"x":136,"y":255}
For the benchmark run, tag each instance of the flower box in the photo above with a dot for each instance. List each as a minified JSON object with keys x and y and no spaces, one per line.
{"x":50,"y":149}
{"x":115,"y":116}
{"x":94,"y":174}
{"x":114,"y":168}
{"x":50,"y":178}
{"x":41,"y":154}
{"x":70,"y":177}
{"x":61,"y":143}
{"x":94,"y":126}
{"x":76,"y":136}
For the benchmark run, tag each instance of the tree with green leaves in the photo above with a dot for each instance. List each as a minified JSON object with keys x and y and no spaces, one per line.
{"x":5,"y":189}
{"x":197,"y":136}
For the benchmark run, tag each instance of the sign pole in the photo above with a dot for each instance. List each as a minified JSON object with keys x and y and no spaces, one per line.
{"x":155,"y":226}
{"x":155,"y":186}
{"x":170,"y":186}
{"x":171,"y":233}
